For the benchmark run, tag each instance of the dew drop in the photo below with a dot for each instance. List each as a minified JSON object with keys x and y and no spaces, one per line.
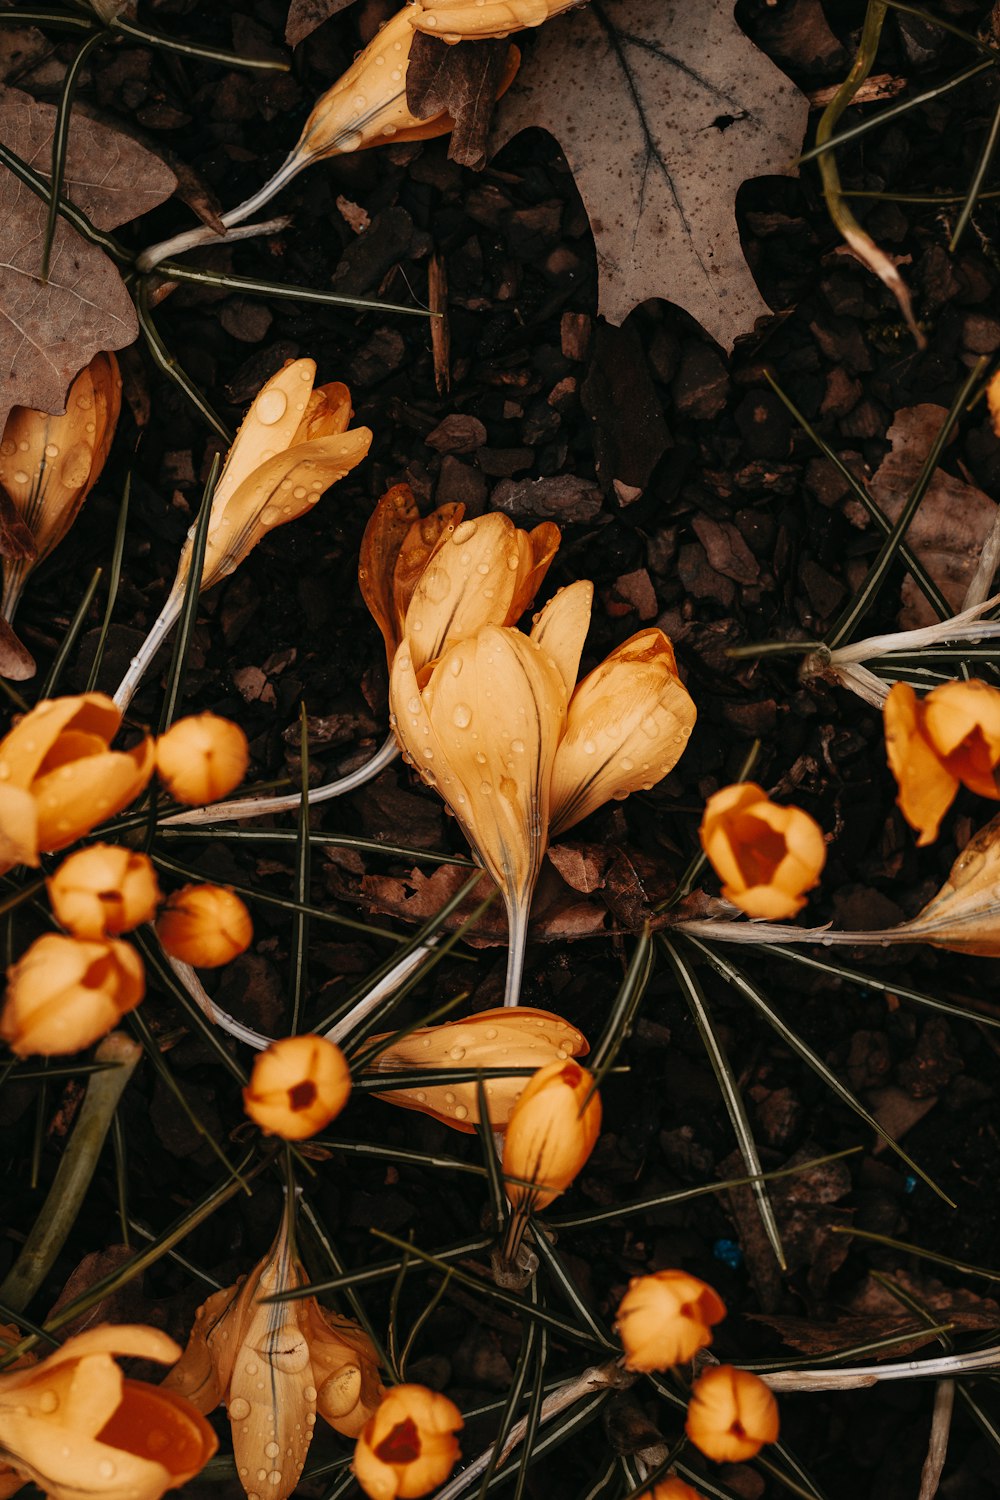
{"x":626,"y":764}
{"x":455,"y":666}
{"x":106,"y":1469}
{"x":48,"y":1401}
{"x":518,"y":748}
{"x":421,"y":1096}
{"x":310,"y":1393}
{"x":413,"y":707}
{"x":251,"y":1367}
{"x":449,"y":1097}
{"x":483,"y":568}
{"x":350,"y":140}
{"x":461,"y":716}
{"x":649,"y":727}
{"x":272,"y":1449}
{"x":589,"y":748}
{"x":456,"y":1053}
{"x":461,"y":1113}
{"x":20,"y":477}
{"x":468,"y":529}
{"x":271,"y":407}
{"x":51,"y":450}
{"x":274,"y":1477}
{"x":490,"y":1033}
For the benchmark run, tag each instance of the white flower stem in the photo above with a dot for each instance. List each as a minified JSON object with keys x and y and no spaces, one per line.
{"x":517,"y":938}
{"x":139,"y":666}
{"x":943,"y":1368}
{"x":179,"y":243}
{"x":720,"y":930}
{"x":256,"y":807}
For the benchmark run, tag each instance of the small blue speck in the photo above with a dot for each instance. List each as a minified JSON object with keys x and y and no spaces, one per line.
{"x":909,"y":1183}
{"x":729,"y":1253}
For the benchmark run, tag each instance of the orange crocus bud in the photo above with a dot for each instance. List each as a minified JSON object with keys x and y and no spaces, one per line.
{"x":665,"y":1318}
{"x":59,"y":779}
{"x":104,"y":891}
{"x":672,"y":1489}
{"x":516,"y":1038}
{"x":438,"y":578}
{"x":204,"y":925}
{"x":765,"y":855}
{"x":297,"y":1086}
{"x":77,"y":1427}
{"x":49,"y":465}
{"x":552,"y":1131}
{"x":476,"y":20}
{"x":409,"y":1446}
{"x":202,"y":758}
{"x":936,"y":744}
{"x":732,"y":1414}
{"x":64,"y":994}
{"x":276,"y":1366}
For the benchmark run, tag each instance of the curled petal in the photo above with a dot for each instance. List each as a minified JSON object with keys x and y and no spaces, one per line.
{"x":628,"y":724}
{"x":18,"y":828}
{"x":345,"y":1368}
{"x":381,"y":545}
{"x":84,"y":791}
{"x":33,"y":737}
{"x":477,"y":20}
{"x":927,"y":786}
{"x":535,"y":551}
{"x":962,"y":722}
{"x":561,"y":628}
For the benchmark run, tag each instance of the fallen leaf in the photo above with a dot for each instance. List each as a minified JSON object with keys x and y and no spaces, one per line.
{"x":49,"y":331}
{"x":305,"y":15}
{"x":461,"y":80}
{"x":663,"y":109}
{"x":952,"y":521}
{"x":16,"y":662}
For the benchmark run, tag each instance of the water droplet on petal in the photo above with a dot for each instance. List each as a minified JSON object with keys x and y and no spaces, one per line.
{"x":272,"y":1449}
{"x":350,"y":140}
{"x":589,"y":748}
{"x":48,"y":1401}
{"x":271,"y":407}
{"x":106,"y":1469}
{"x":310,"y":1393}
{"x":467,"y":529}
{"x":461,"y":1113}
{"x":518,"y":748}
{"x":461,"y":716}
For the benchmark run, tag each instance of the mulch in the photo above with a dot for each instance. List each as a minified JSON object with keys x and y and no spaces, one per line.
{"x":693,"y":500}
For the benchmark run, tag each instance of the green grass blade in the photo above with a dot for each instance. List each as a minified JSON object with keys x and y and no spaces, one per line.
{"x":39,"y":185}
{"x":169,"y":365}
{"x":532,"y":1340}
{"x":149,"y":37}
{"x":171,"y":270}
{"x":298,"y":954}
{"x":69,"y":640}
{"x":884,"y":987}
{"x":624,"y":1008}
{"x":114,"y":577}
{"x":964,"y":1268}
{"x":156,"y":963}
{"x":491,"y":1161}
{"x":550,"y":1258}
{"x":730,"y":1090}
{"x":411,"y":1158}
{"x":60,"y":142}
{"x":975,"y":186}
{"x":740,"y":982}
{"x":893,"y":111}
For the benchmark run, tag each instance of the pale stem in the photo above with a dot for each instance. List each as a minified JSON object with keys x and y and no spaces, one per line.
{"x":338,"y":1033}
{"x":944,"y":1367}
{"x":517,"y":938}
{"x":722,"y":931}
{"x":76,"y":1168}
{"x":161,"y":628}
{"x":598,"y":1378}
{"x":15,"y":576}
{"x":176,"y":245}
{"x":256,"y":807}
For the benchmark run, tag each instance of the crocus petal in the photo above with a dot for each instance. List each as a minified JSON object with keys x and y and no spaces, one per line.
{"x":75,"y":797}
{"x":465,"y":20}
{"x":628,"y":724}
{"x":964,"y":916}
{"x":202,"y":1373}
{"x":345,"y":1368}
{"x":381,"y":545}
{"x":561,"y":628}
{"x":516,"y":1037}
{"x":269,"y":426}
{"x":468,"y":583}
{"x":425,"y":537}
{"x":962,"y":722}
{"x":926,"y":786}
{"x":25,"y":747}
{"x":536,"y":549}
{"x":18,"y":828}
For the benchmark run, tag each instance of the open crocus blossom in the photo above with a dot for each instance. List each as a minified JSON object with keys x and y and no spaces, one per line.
{"x":766,"y":856}
{"x":276,"y":1364}
{"x":409,"y":1446}
{"x":731,"y":1415}
{"x":517,"y":1038}
{"x":491,"y":725}
{"x":439,"y":578}
{"x":75,"y":1426}
{"x":936,"y":744}
{"x":477,"y":20}
{"x":49,"y":464}
{"x":365,"y":107}
{"x":293,"y":445}
{"x":59,"y":777}
{"x":665,"y":1318}
{"x":64,"y":993}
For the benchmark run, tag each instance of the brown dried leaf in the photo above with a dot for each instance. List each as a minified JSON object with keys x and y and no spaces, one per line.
{"x":460,"y":80}
{"x":305,"y":15}
{"x":663,"y":109}
{"x":16,"y":662}
{"x":50,"y":331}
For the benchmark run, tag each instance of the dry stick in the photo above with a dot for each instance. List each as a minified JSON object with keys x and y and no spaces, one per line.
{"x":76,"y":1168}
{"x":945,"y":1367}
{"x":860,"y":242}
{"x":937,"y":1446}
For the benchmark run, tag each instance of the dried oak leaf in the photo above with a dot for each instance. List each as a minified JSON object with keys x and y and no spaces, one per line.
{"x":460,"y":80}
{"x":305,"y":15}
{"x":50,"y":330}
{"x":663,"y":109}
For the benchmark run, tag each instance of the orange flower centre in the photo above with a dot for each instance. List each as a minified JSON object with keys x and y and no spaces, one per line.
{"x":302,"y":1095}
{"x":758,"y":850}
{"x":737,"y":1429}
{"x":401,"y":1445}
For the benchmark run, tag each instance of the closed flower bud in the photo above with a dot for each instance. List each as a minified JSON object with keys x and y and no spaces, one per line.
{"x":75,"y":1426}
{"x":476,"y":20}
{"x":276,"y":1366}
{"x":766,"y":856}
{"x":59,"y":778}
{"x":202,"y":758}
{"x":516,"y":1037}
{"x":672,"y":1489}
{"x":104,"y":891}
{"x":49,"y":465}
{"x":64,"y":994}
{"x":551,"y":1133}
{"x":204,"y":925}
{"x":439,"y":578}
{"x":409,"y":1446}
{"x":665,"y":1318}
{"x":732,"y":1414}
{"x":936,"y":744}
{"x":297,"y":1086}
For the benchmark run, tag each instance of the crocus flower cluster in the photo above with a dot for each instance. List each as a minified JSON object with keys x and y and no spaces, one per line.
{"x":59,"y":778}
{"x":664,"y":1319}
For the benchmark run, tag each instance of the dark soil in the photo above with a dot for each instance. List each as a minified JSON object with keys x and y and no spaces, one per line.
{"x":715,"y":518}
